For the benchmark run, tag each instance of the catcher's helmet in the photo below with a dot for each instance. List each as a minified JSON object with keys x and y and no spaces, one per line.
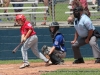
{"x":21,"y":17}
{"x":54,"y":24}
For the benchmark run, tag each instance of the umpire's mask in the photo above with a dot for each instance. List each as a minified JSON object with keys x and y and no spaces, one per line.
{"x":76,"y":12}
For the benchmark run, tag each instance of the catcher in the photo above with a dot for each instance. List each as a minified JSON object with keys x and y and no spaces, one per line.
{"x":58,"y":50}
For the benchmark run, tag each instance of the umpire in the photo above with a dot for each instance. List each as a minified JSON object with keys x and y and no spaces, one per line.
{"x":85,"y":30}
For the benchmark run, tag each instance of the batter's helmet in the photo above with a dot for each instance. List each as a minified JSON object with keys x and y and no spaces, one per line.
{"x":21,"y":17}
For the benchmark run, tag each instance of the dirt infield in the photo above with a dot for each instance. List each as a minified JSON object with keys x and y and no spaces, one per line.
{"x":38,"y":68}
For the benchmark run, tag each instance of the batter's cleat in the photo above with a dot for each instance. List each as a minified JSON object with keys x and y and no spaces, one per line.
{"x":78,"y":61}
{"x":24,"y":65}
{"x":97,"y":60}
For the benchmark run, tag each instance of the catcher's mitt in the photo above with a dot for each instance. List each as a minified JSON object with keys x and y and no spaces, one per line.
{"x":45,"y":51}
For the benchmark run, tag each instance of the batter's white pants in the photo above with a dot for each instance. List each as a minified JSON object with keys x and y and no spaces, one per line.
{"x":32,"y":42}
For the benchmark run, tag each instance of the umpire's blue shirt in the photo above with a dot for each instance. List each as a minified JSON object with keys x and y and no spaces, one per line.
{"x":83,"y":25}
{"x":58,"y":41}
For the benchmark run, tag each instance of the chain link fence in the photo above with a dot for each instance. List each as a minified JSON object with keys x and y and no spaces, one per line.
{"x":60,"y":8}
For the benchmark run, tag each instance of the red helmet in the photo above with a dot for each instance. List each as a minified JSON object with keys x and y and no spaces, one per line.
{"x":21,"y":17}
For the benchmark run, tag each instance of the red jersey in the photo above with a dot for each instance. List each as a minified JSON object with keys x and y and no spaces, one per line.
{"x":26,"y":27}
{"x":85,"y":6}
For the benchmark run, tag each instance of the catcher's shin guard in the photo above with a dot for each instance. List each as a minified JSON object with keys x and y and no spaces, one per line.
{"x":54,"y":59}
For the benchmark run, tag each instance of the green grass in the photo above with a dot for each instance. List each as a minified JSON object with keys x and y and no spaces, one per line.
{"x":64,"y":71}
{"x":79,"y":71}
{"x":18,"y":61}
{"x":36,"y":60}
{"x":74,"y":72}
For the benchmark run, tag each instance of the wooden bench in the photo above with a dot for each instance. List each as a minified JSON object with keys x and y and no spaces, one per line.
{"x":27,"y":10}
{"x":69,"y":12}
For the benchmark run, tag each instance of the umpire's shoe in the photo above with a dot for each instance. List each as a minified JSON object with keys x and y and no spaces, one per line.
{"x":97,"y":60}
{"x":78,"y":61}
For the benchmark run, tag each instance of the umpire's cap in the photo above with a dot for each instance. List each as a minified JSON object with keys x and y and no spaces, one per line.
{"x":78,"y":9}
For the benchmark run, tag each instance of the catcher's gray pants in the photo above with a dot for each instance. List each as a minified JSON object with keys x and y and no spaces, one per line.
{"x":59,"y":53}
{"x":81,"y":42}
{"x":32,"y":42}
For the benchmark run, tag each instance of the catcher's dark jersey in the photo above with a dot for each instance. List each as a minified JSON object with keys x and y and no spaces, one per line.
{"x":58,"y":42}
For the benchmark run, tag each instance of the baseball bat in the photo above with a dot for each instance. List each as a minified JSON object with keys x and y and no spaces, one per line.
{"x":16,"y":48}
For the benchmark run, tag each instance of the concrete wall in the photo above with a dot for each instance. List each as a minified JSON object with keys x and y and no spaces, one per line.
{"x":10,"y":38}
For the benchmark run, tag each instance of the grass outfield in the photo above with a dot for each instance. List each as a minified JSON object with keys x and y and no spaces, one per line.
{"x":35,"y":60}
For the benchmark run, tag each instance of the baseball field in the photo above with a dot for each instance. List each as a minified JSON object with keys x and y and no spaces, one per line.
{"x":37,"y":67}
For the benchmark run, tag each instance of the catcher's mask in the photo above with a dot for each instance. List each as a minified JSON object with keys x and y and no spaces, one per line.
{"x":56,"y":25}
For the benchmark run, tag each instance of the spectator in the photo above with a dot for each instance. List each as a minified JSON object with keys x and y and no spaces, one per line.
{"x":70,"y":2}
{"x":98,"y":2}
{"x":5,"y":3}
{"x":93,"y":2}
{"x":1,"y":3}
{"x":98,"y":8}
{"x":85,"y":7}
{"x":17,"y":10}
{"x":48,"y":3}
{"x":17,"y":5}
{"x":76,"y":3}
{"x":84,"y":34}
{"x":33,"y":16}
